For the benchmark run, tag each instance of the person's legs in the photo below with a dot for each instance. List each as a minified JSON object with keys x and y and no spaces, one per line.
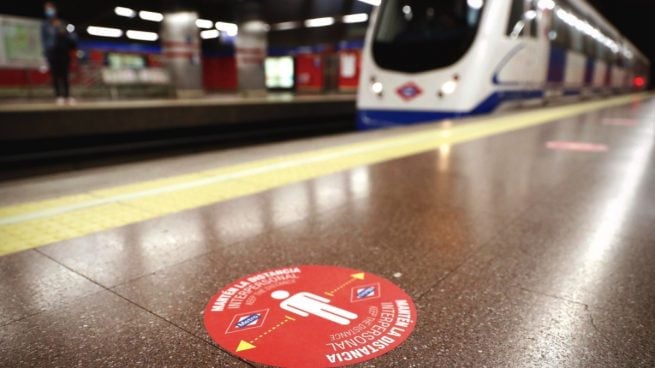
{"x":64,"y":75}
{"x":64,"y":82}
{"x":54,"y":74}
{"x":60,"y":76}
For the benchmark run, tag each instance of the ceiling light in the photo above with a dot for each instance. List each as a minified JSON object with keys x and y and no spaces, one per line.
{"x":124,"y":12}
{"x":319,"y":22}
{"x":372,"y":2}
{"x":355,"y":18}
{"x":142,"y":36}
{"x":204,"y":23}
{"x":104,"y":31}
{"x":546,"y":4}
{"x":209,"y":34}
{"x":285,"y":26}
{"x":230,"y":28}
{"x":151,"y":16}
{"x":475,"y":4}
{"x":70,"y":28}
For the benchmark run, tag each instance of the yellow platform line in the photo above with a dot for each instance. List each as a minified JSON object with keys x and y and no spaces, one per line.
{"x":34,"y":224}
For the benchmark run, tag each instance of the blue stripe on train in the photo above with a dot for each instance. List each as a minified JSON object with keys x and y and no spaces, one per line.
{"x":371,"y":119}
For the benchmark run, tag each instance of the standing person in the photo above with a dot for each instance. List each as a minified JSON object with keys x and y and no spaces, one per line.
{"x":57,"y":45}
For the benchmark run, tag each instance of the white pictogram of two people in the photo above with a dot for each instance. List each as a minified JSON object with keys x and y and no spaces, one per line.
{"x":305,"y":303}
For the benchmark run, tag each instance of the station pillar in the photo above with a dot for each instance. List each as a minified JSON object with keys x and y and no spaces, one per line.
{"x":251,"y":48}
{"x":181,"y":49}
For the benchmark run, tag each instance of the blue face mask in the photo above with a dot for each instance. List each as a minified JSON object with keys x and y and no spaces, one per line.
{"x":50,"y":12}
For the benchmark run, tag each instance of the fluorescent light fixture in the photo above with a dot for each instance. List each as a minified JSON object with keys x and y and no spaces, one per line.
{"x":209,"y":34}
{"x":546,"y":4}
{"x":151,"y":16}
{"x":255,"y":26}
{"x":142,"y":36}
{"x":286,"y":26}
{"x":372,"y":2}
{"x":104,"y":31}
{"x":204,"y":23}
{"x":319,"y":22}
{"x":355,"y":18}
{"x":475,"y":4}
{"x":70,"y":28}
{"x":230,"y":28}
{"x":124,"y":12}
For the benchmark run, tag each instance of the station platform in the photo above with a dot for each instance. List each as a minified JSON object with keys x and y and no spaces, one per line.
{"x":29,"y":121}
{"x":524,"y":239}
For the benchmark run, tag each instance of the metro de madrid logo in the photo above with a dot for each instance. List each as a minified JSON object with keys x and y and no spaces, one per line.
{"x":310,"y":316}
{"x":409,"y":91}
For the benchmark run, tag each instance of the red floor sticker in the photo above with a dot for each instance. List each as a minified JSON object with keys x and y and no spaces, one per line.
{"x":620,"y":122}
{"x":576,"y":146}
{"x":310,"y":316}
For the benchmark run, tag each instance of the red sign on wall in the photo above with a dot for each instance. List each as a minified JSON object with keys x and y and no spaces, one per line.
{"x":310,"y":316}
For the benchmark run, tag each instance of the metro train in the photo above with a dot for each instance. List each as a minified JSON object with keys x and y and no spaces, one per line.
{"x":428,"y":60}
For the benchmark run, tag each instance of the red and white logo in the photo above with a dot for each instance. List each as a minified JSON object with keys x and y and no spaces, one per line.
{"x":310,"y":316}
{"x":409,"y":91}
{"x":364,"y":292}
{"x":247,"y":321}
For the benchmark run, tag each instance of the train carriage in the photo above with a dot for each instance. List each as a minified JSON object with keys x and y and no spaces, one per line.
{"x":426,"y":60}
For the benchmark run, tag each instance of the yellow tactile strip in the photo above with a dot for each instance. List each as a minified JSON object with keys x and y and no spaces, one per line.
{"x":35,"y":224}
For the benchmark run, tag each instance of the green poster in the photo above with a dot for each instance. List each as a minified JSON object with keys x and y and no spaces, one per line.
{"x":22,"y":41}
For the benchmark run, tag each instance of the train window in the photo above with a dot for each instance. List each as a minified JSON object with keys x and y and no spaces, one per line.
{"x":531,"y":18}
{"x":601,"y":50}
{"x":561,"y":33}
{"x":522,"y":19}
{"x":576,"y":39}
{"x":590,"y":45}
{"x":516,"y":25}
{"x":420,"y":35}
{"x":620,"y":61}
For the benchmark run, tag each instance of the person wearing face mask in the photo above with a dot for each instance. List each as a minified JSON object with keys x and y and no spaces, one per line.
{"x":57,"y":45}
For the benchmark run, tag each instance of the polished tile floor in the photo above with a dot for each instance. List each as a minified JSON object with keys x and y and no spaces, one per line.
{"x":516,"y":255}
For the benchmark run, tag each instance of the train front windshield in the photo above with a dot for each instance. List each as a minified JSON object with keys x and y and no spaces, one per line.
{"x":419,"y":35}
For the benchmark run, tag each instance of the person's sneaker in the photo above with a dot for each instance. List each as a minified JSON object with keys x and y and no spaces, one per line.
{"x":71,"y":101}
{"x":60,"y":101}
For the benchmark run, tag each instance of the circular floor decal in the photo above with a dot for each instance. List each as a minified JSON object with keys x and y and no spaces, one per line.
{"x":310,"y":316}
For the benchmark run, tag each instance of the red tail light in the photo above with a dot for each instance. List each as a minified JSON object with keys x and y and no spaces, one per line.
{"x":639,"y":81}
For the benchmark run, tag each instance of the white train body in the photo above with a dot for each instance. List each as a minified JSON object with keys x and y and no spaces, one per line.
{"x":427,"y":60}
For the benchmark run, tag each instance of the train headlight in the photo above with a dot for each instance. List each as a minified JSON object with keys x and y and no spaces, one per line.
{"x":377,"y":88}
{"x":449,"y":87}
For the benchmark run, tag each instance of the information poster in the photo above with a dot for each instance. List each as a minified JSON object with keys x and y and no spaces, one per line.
{"x":20,"y":42}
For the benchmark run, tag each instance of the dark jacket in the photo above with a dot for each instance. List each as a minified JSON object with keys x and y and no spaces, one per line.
{"x":57,"y":41}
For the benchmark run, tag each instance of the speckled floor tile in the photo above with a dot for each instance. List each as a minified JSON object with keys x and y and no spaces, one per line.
{"x":180,"y":293}
{"x":104,"y":330}
{"x":469,"y":321}
{"x":31,"y":283}
{"x":596,"y":268}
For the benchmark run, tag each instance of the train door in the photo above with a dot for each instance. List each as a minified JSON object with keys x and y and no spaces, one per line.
{"x":536,"y":45}
{"x":525,"y":67}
